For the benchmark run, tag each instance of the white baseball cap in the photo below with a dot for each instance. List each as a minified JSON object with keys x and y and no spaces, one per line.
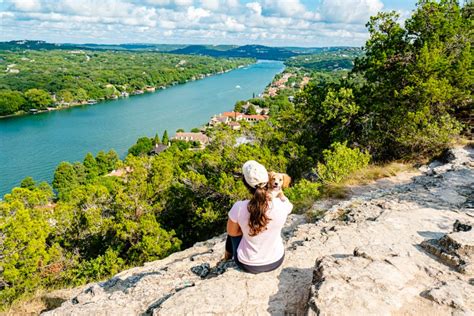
{"x":255,"y":174}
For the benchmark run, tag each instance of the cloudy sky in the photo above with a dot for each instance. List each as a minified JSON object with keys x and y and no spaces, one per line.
{"x":307,"y":23}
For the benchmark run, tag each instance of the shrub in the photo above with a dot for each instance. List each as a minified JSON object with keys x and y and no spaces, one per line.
{"x":341,"y":161}
{"x":303,"y":194}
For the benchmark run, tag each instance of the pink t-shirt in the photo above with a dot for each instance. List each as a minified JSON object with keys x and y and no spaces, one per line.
{"x":266,"y":247}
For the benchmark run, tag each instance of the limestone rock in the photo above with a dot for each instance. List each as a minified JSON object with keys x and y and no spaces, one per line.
{"x":454,"y":249}
{"x":453,"y":293}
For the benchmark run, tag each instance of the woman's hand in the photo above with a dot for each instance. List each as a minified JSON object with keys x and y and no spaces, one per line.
{"x":233,"y":228}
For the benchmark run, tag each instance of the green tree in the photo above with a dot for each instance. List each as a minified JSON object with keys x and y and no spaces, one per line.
{"x":81,"y":94}
{"x":156,"y":140}
{"x":65,"y":96}
{"x":38,"y":99}
{"x":238,"y":106}
{"x":142,"y":147}
{"x":91,"y":166}
{"x":165,"y":139}
{"x":65,"y":177}
{"x":10,"y":102}
{"x":28,"y":183}
{"x":417,"y":79}
{"x":25,"y":253}
{"x":251,"y":110}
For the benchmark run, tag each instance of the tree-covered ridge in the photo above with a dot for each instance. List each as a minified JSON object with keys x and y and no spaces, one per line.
{"x":38,"y":79}
{"x":402,"y":100}
{"x":333,"y":60}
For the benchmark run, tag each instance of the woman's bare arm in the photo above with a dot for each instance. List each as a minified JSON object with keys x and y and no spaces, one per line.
{"x":233,"y":229}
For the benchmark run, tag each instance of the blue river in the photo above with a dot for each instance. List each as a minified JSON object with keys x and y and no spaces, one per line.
{"x":34,"y":145}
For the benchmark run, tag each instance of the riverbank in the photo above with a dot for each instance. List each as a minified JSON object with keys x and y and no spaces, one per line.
{"x":63,"y":106}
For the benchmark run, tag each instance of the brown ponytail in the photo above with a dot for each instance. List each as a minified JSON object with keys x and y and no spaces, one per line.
{"x":257,"y":207}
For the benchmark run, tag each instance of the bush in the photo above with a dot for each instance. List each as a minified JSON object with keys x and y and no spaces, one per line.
{"x":303,"y":194}
{"x":341,"y":161}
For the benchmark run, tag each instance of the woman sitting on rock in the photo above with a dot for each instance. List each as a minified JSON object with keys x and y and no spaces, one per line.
{"x":254,"y":226}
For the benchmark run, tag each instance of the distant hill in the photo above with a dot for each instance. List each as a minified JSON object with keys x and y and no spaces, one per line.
{"x":35,"y":45}
{"x":38,"y":45}
{"x":253,"y":51}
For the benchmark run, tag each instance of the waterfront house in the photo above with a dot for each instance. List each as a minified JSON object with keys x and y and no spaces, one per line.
{"x":157,"y":149}
{"x":234,"y":125}
{"x":254,"y":118}
{"x":236,"y":116}
{"x":191,"y":137}
{"x":216,"y":120}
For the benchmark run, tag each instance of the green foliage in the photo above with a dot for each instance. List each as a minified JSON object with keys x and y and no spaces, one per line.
{"x":90,"y":165}
{"x":156,"y":140}
{"x":303,"y":194}
{"x":142,"y":147}
{"x":337,"y":59}
{"x":417,"y":79}
{"x":28,"y":183}
{"x":11,"y":102}
{"x":65,"y":178}
{"x":181,"y":144}
{"x":25,"y":255}
{"x":37,"y":99}
{"x":77,"y":76}
{"x":106,"y":162}
{"x":195,"y":130}
{"x":238,"y":106}
{"x":251,"y":110}
{"x":165,"y":139}
{"x":98,"y":268}
{"x":341,"y":161}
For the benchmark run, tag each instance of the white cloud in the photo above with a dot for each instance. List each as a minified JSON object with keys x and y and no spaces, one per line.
{"x":183,"y":2}
{"x":232,"y":4}
{"x":170,"y":3}
{"x":212,"y":5}
{"x":285,"y":8}
{"x":349,"y":11}
{"x":268,"y":22}
{"x":232,"y":25}
{"x":255,"y":7}
{"x":26,"y":5}
{"x":195,"y":14}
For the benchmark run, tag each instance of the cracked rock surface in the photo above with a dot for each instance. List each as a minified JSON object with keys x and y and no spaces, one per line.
{"x":370,"y":255}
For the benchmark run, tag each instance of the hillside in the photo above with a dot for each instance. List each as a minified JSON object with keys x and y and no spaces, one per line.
{"x":391,"y":247}
{"x":252,"y":51}
{"x":245,"y":51}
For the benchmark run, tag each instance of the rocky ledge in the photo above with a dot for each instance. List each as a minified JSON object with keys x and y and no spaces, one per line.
{"x":405,"y":246}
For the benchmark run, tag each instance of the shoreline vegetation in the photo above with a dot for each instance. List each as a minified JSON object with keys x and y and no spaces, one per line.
{"x":402,"y":101}
{"x":40,"y":81}
{"x":65,"y":106}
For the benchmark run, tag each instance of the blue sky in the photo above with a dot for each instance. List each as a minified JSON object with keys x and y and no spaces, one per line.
{"x":308,"y":23}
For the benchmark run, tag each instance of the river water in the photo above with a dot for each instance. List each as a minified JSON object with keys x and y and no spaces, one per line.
{"x":34,"y":145}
